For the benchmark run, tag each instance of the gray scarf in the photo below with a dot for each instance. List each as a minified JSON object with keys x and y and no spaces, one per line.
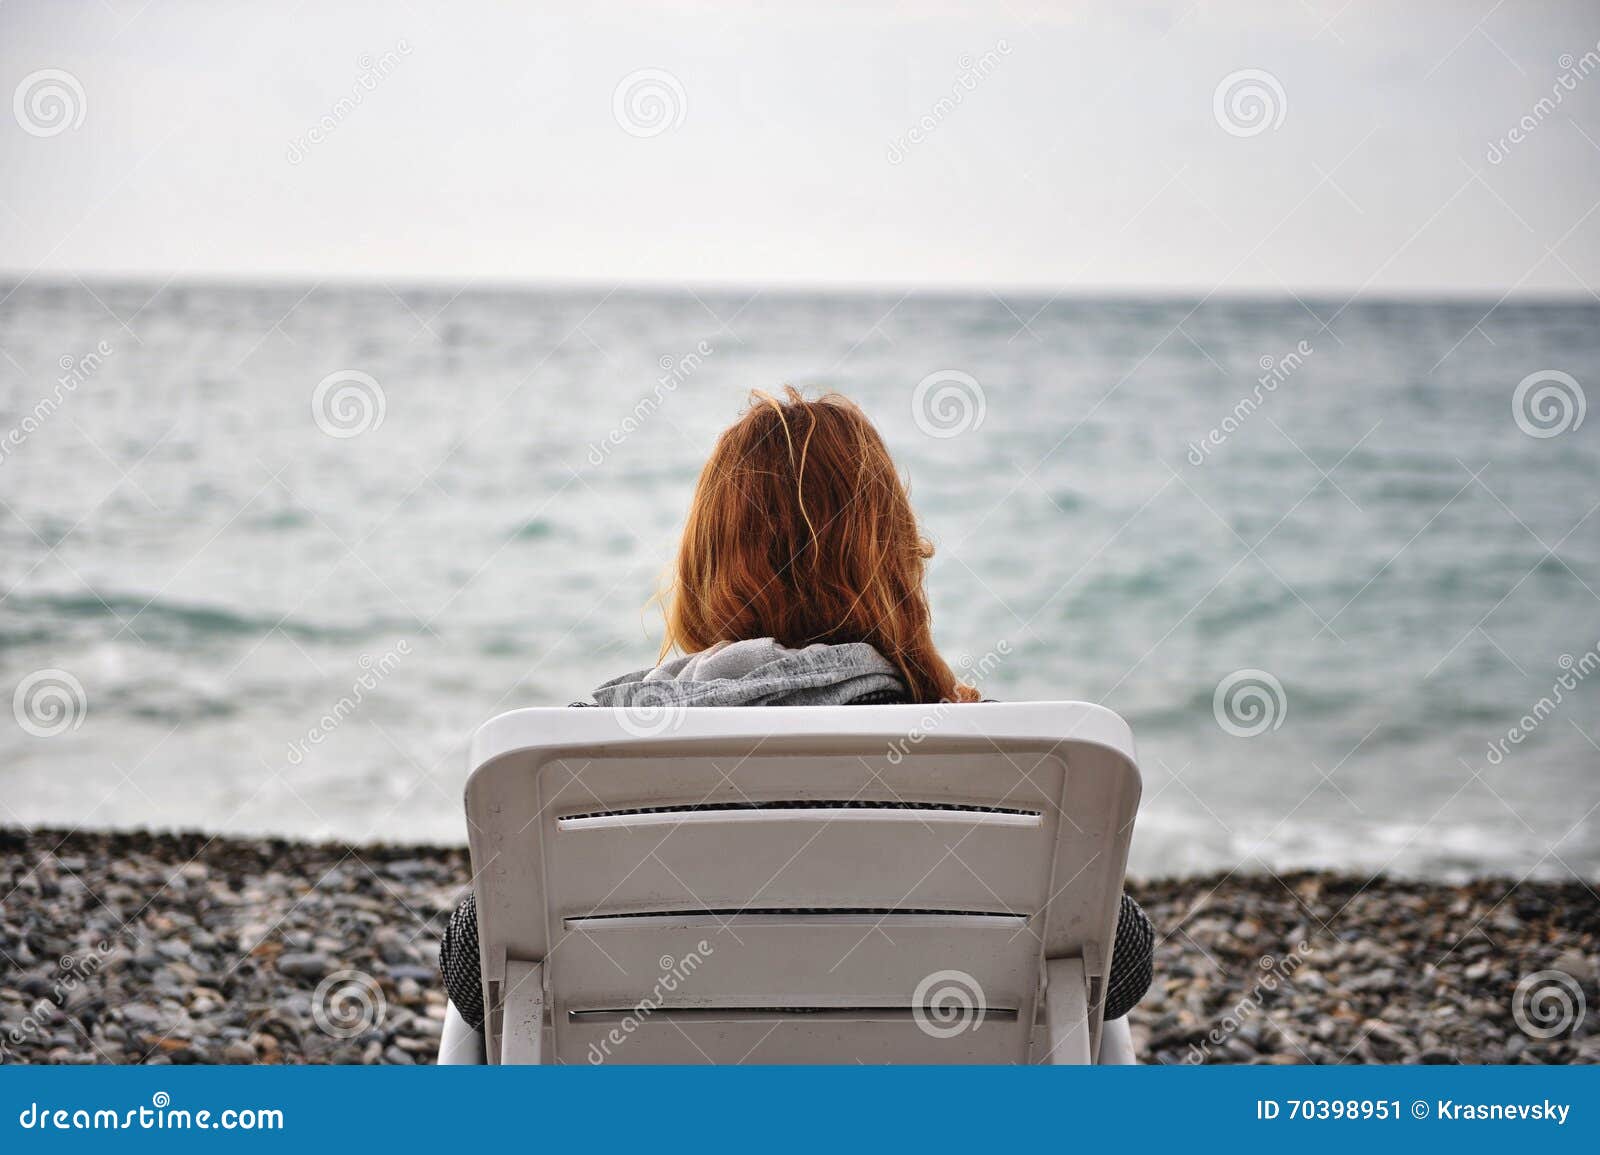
{"x":758,"y":672}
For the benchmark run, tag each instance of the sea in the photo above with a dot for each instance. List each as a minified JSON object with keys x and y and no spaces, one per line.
{"x":270,"y":553}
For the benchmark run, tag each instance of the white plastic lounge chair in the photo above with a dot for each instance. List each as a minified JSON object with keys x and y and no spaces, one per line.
{"x":883,"y":884}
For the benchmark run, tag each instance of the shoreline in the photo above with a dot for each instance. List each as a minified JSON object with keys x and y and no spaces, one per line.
{"x":174,"y":948}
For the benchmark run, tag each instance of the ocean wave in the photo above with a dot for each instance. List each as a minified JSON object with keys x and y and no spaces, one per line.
{"x":164,"y":621}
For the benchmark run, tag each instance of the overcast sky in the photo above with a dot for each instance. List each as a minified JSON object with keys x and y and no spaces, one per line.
{"x":1087,"y":148}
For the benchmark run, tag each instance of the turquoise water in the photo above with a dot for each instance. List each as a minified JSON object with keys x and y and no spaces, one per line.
{"x":1135,"y":520}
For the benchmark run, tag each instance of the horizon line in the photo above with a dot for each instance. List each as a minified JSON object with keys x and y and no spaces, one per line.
{"x":1346,"y":295}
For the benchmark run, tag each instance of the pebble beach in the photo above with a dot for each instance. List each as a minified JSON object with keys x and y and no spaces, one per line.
{"x":183,"y":948}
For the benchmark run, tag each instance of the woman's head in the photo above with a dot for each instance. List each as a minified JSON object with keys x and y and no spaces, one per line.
{"x":802,"y":531}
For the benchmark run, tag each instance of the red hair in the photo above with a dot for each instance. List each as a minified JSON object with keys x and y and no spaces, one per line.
{"x":802,"y":531}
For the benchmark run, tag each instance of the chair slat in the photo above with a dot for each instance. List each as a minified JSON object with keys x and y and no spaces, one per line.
{"x":813,"y":858}
{"x":759,"y":1040}
{"x":798,"y":963}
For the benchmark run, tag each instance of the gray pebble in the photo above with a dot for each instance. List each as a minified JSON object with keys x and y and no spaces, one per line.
{"x":304,"y":966}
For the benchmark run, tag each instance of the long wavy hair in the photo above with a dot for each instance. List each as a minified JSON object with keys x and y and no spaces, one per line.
{"x":802,"y":531}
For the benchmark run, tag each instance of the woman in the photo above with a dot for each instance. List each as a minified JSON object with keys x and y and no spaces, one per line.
{"x":799,"y":582}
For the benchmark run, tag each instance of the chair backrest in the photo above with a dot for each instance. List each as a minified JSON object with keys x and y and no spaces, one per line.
{"x":796,"y":884}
